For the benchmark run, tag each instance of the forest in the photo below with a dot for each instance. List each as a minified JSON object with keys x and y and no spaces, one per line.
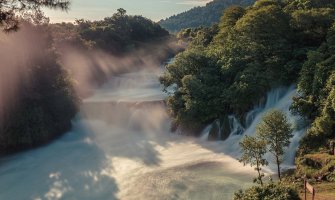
{"x":232,"y":59}
{"x":200,"y":16}
{"x":45,"y":103}
{"x":251,"y":50}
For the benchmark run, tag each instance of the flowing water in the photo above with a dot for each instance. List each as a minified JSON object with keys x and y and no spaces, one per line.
{"x":121,"y":147}
{"x":280,"y":99}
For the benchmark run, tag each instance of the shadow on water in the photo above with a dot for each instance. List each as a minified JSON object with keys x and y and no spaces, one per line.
{"x":70,"y":168}
{"x":80,"y":164}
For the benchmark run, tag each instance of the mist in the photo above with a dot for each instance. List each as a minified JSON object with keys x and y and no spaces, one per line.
{"x":88,"y":68}
{"x":120,"y":145}
{"x":17,"y":51}
{"x":92,"y":68}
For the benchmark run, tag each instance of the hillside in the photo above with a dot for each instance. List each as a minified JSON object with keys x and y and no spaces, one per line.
{"x":250,"y":52}
{"x":200,"y":16}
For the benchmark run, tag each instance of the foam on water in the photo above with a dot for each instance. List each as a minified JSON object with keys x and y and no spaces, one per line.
{"x":280,"y":99}
{"x":121,"y":148}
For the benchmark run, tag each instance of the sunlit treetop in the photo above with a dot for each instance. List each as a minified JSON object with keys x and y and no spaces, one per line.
{"x":11,"y":11}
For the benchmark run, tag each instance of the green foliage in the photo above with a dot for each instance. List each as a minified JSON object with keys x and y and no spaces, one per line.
{"x":277,"y":132}
{"x":12,"y":10}
{"x":228,"y":21}
{"x":201,"y":36}
{"x":311,"y":19}
{"x":262,"y":38}
{"x":200,"y":16}
{"x":121,"y":32}
{"x":253,"y":150}
{"x":318,"y":165}
{"x":44,"y":106}
{"x":271,"y":43}
{"x":269,"y":191}
{"x":197,"y":77}
{"x":316,"y":100}
{"x":251,"y":51}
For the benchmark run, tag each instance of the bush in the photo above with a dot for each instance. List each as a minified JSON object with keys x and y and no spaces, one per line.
{"x":270,"y":191}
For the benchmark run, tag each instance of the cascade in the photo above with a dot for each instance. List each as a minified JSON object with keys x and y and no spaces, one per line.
{"x":205,"y":132}
{"x":280,"y":99}
{"x":235,"y":126}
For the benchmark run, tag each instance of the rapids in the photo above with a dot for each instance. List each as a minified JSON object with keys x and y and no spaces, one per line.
{"x":121,"y":147}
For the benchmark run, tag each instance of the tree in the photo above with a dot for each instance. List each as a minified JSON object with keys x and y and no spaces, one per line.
{"x":120,"y":33}
{"x":201,"y":16}
{"x":276,"y":131}
{"x":12,"y":10}
{"x":253,"y":150}
{"x":121,"y":12}
{"x":197,"y":99}
{"x":270,"y":191}
{"x":45,"y":101}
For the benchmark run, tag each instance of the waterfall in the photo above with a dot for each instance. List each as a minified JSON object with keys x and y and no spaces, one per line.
{"x":235,"y":126}
{"x":280,"y":99}
{"x":205,"y":132}
{"x":220,"y":127}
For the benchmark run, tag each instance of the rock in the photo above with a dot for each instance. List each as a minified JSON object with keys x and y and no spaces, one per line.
{"x":214,"y":133}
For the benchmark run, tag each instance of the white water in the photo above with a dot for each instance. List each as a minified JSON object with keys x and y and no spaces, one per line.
{"x":280,"y":99}
{"x":121,"y":148}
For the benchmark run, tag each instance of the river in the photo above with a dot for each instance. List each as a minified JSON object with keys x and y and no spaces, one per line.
{"x":121,"y":147}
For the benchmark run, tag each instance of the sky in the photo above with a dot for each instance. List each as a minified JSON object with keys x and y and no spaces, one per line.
{"x":98,"y":9}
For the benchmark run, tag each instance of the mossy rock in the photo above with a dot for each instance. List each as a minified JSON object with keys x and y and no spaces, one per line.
{"x":220,"y":129}
{"x":225,"y":128}
{"x":318,"y":165}
{"x":214,"y":133}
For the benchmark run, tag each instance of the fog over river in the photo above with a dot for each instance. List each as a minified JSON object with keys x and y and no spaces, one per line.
{"x":121,"y":147}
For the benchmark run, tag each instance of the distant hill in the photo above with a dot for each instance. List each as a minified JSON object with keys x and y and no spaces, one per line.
{"x":205,"y":15}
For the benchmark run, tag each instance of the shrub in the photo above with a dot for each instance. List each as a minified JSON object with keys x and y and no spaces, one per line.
{"x":269,"y":191}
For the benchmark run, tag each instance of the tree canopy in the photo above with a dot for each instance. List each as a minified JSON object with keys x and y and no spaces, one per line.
{"x":228,"y":69}
{"x":11,"y":11}
{"x":46,"y":103}
{"x":276,"y":131}
{"x":253,"y":150}
{"x":249,"y":52}
{"x":200,"y":16}
{"x":270,"y":191}
{"x":120,"y":32}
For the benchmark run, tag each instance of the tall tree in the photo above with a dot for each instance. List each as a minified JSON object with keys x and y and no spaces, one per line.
{"x":12,"y":10}
{"x":253,"y":150}
{"x":276,"y":131}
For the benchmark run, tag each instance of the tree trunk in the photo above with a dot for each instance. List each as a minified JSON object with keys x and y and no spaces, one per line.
{"x":260,"y":177}
{"x":259,"y":174}
{"x":278,"y":167}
